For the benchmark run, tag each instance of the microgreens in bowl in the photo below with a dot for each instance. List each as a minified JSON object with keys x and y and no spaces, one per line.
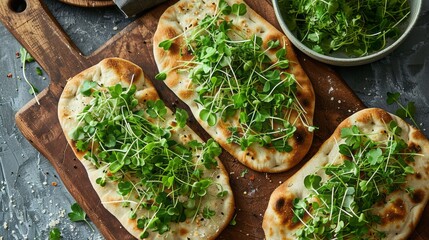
{"x":347,"y":33}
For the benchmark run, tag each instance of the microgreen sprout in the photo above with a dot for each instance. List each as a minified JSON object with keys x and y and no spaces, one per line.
{"x":233,"y":75}
{"x":233,"y":222}
{"x":25,"y":57}
{"x":339,"y":206}
{"x":55,"y":234}
{"x":403,"y":112}
{"x":77,"y":214}
{"x":126,"y":138}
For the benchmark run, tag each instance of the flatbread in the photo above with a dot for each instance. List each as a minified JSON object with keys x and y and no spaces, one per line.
{"x":110,"y":72}
{"x":185,"y":14}
{"x":401,"y":211}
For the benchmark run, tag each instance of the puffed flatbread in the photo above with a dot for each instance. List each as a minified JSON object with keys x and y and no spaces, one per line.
{"x":185,"y":14}
{"x":110,"y":72}
{"x":400,"y":212}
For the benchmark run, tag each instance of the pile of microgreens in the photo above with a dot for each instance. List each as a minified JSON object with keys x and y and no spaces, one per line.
{"x":236,"y":77}
{"x":355,"y":27}
{"x":340,"y":206}
{"x":142,"y":157}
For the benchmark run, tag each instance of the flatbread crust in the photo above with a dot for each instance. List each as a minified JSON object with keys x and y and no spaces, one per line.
{"x":184,"y":15}
{"x":401,"y":213}
{"x":109,"y":72}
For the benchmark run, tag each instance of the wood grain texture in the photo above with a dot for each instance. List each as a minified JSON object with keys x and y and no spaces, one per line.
{"x":89,"y":3}
{"x":42,"y":36}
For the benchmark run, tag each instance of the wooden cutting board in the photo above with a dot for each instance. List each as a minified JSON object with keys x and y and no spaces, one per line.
{"x":41,"y":35}
{"x":89,"y":3}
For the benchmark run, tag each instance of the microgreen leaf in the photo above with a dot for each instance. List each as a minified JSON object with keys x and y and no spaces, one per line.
{"x":244,"y":172}
{"x":312,"y":181}
{"x":124,"y":188}
{"x":208,"y":213}
{"x":55,"y":234}
{"x":77,"y":214}
{"x":224,"y":8}
{"x":39,"y":71}
{"x":233,"y":222}
{"x":181,"y":117}
{"x":116,"y":166}
{"x":156,"y":108}
{"x":208,"y":116}
{"x":273,"y":43}
{"x":82,"y":145}
{"x":101,"y":181}
{"x":25,"y":56}
{"x":33,"y":90}
{"x":375,"y":156}
{"x":166,"y":44}
{"x":161,"y":76}
{"x":403,"y":112}
{"x":239,"y":9}
{"x":86,"y":87}
{"x":392,"y":97}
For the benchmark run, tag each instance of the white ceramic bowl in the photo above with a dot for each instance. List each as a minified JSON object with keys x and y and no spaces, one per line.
{"x":345,"y":60}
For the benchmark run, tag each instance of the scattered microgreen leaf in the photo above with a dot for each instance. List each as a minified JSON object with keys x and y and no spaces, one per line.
{"x":25,"y":57}
{"x":77,"y":215}
{"x":33,"y":90}
{"x":404,"y":112}
{"x":233,"y":222}
{"x":244,"y":172}
{"x":39,"y":71}
{"x":55,"y":234}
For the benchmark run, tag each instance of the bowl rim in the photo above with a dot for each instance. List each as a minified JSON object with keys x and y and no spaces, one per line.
{"x":347,"y":61}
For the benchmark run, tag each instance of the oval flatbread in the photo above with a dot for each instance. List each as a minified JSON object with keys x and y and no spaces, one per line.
{"x":124,"y":181}
{"x":174,"y":55}
{"x":397,"y":210}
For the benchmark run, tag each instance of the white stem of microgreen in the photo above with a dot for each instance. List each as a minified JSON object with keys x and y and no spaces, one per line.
{"x":332,"y":204}
{"x":33,"y":90}
{"x":302,"y":221}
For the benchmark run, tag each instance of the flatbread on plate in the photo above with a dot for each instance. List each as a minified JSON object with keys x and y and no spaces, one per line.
{"x":176,"y":23}
{"x":399,"y":211}
{"x":111,"y":72}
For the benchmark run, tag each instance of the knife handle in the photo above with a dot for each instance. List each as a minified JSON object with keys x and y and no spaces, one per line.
{"x":32,"y":24}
